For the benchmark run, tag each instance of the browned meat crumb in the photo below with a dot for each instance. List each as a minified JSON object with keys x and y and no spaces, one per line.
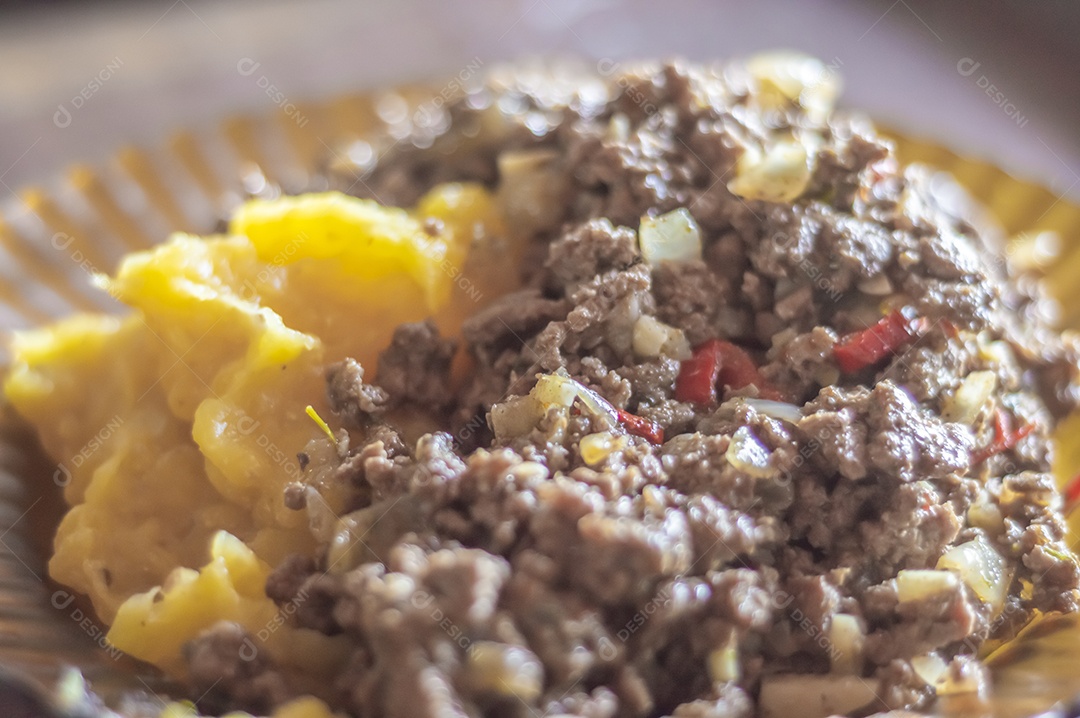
{"x":510,"y":577}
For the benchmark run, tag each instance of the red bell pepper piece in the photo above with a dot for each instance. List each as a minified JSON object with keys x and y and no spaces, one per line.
{"x":698,"y":374}
{"x":717,"y":361}
{"x":640,"y":426}
{"x":1072,"y":494}
{"x":871,"y":345}
{"x":1004,"y":437}
{"x":737,"y":369}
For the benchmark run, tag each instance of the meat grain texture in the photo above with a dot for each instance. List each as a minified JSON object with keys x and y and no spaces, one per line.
{"x":500,"y":576}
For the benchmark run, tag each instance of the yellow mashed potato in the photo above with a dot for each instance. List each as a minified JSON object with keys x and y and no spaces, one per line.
{"x":177,"y":426}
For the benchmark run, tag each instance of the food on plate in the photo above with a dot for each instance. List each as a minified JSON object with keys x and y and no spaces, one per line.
{"x":660,"y":392}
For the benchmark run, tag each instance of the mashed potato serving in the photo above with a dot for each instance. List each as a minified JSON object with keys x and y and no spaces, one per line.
{"x":205,"y":386}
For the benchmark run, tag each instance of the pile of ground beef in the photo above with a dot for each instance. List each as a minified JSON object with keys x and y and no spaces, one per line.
{"x":478,"y":574}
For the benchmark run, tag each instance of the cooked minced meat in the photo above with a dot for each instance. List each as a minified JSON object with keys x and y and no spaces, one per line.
{"x":853,"y":393}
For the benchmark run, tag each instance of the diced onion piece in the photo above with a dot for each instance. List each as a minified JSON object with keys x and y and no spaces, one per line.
{"x":780,"y":410}
{"x":812,"y":141}
{"x":620,"y":323}
{"x":71,"y":693}
{"x":649,"y":336}
{"x":930,"y":668}
{"x":971,"y":396}
{"x":786,"y":76}
{"x":594,"y":448}
{"x":846,"y":639}
{"x":561,"y":390}
{"x":653,"y":338}
{"x":986,"y":516}
{"x":515,"y":417}
{"x":530,"y":191}
{"x":724,"y":663}
{"x":597,"y":405}
{"x":813,"y":696}
{"x":747,"y":454}
{"x":917,"y":584}
{"x":505,"y":670}
{"x":981,"y":567}
{"x":1032,"y":252}
{"x":673,"y":237}
{"x":779,"y":174}
{"x":555,"y":389}
{"x":876,"y":286}
{"x":677,"y":346}
{"x":998,"y":351}
{"x":618,"y":129}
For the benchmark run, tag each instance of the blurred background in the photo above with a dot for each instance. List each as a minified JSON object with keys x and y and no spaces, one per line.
{"x":78,"y":79}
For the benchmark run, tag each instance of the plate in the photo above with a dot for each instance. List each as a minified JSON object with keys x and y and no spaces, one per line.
{"x":55,"y":238}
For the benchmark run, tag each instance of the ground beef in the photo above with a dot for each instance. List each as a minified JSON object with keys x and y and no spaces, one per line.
{"x":908,"y":442}
{"x":493,"y":572}
{"x":591,"y":249}
{"x":228,"y":669}
{"x":356,"y":401}
{"x":506,"y":321}
{"x":416,"y":366}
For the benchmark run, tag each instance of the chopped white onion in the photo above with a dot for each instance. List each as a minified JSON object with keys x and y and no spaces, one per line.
{"x":649,"y":336}
{"x":786,"y":76}
{"x":519,"y":415}
{"x":555,"y":389}
{"x":877,"y":286}
{"x":505,"y":669}
{"x":981,"y":567}
{"x":813,"y":696}
{"x":995,"y":351}
{"x":723,"y":663}
{"x":847,"y":640}
{"x":71,"y":694}
{"x":530,"y":191}
{"x":515,"y":417}
{"x":597,"y":405}
{"x":618,"y":129}
{"x":677,"y":346}
{"x":747,"y":454}
{"x":930,"y":668}
{"x":673,"y":237}
{"x":559,"y":389}
{"x":967,"y":402}
{"x":780,"y":410}
{"x":985,"y":515}
{"x":917,"y":584}
{"x":653,"y":338}
{"x":780,"y":173}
